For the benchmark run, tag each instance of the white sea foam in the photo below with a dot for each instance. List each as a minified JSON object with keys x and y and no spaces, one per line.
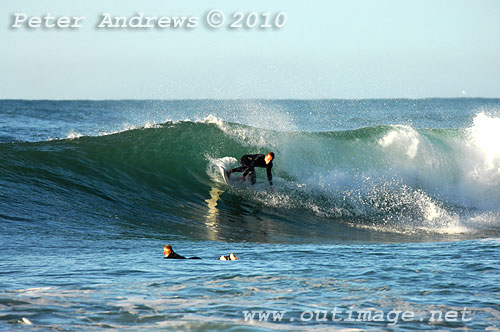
{"x":485,"y":136}
{"x":73,"y":134}
{"x":211,"y":119}
{"x":402,"y":138}
{"x":481,"y":163}
{"x":214,"y":164}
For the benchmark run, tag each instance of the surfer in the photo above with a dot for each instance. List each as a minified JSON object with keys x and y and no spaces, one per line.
{"x":170,"y":254}
{"x":248,"y":164}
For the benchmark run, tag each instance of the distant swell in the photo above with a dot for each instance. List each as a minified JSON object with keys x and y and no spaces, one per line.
{"x":385,"y":178}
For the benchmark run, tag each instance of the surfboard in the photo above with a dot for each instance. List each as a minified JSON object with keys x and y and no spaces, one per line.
{"x":235,"y":180}
{"x":224,"y":175}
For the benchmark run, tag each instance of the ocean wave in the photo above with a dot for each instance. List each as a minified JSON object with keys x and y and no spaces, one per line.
{"x":385,"y":178}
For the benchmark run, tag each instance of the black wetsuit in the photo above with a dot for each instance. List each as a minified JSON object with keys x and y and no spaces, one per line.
{"x":249,"y":161}
{"x":173,"y":255}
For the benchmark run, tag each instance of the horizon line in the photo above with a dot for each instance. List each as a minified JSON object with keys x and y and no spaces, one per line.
{"x":241,"y":99}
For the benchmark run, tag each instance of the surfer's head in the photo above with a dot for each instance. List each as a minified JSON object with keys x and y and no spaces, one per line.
{"x":167,"y":250}
{"x":269,"y":157}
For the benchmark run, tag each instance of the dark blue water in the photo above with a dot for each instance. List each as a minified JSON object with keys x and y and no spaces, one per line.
{"x":385,"y":212}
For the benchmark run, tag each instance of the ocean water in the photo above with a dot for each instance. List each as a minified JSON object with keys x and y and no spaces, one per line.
{"x":385,"y":215}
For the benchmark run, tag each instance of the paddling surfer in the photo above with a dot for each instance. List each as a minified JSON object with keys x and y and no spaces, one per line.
{"x":171,"y":254}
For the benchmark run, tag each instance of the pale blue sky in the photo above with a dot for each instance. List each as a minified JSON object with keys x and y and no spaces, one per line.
{"x":328,"y":49}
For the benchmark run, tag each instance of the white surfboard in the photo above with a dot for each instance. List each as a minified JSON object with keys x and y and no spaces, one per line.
{"x":235,"y":179}
{"x":224,"y":175}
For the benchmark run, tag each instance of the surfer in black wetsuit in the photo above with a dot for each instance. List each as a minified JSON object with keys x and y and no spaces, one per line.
{"x":249,"y":161}
{"x":170,"y":254}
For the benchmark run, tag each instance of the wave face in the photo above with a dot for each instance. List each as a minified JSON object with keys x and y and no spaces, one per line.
{"x":359,"y":184}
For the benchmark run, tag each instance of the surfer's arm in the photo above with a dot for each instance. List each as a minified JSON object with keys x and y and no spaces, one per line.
{"x":270,"y":176}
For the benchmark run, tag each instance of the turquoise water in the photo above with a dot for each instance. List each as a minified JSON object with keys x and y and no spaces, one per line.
{"x":380,"y":206}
